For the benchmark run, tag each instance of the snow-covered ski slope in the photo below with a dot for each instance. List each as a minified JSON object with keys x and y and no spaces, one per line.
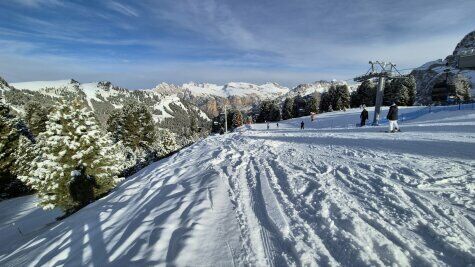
{"x":330,"y":195}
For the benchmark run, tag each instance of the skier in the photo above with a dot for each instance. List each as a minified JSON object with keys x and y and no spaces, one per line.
{"x":268,"y":125}
{"x":392,"y":117}
{"x":277,"y":125}
{"x":302,"y":126}
{"x":363,"y":116}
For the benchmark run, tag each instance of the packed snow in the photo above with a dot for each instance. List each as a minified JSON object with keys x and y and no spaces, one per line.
{"x":21,"y":220}
{"x":331,"y":194}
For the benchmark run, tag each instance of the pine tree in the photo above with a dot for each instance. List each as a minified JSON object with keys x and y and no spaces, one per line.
{"x":410,"y":82}
{"x":167,"y":142}
{"x":264,"y":110}
{"x":355,"y":100}
{"x":287,"y":109}
{"x":237,"y":119}
{"x":326,"y":102}
{"x":299,"y":107}
{"x":115,"y":125}
{"x":13,"y":132}
{"x":72,"y":138}
{"x":36,"y":117}
{"x":274,"y":112}
{"x":400,"y":91}
{"x":365,"y":94}
{"x":133,"y":125}
{"x":269,"y":111}
{"x":193,"y":125}
{"x":461,"y":87}
{"x":337,"y":97}
{"x":341,"y":99}
{"x":313,"y":103}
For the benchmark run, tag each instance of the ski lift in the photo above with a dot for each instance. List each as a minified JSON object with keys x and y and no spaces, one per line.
{"x":443,"y":92}
{"x":440,"y":92}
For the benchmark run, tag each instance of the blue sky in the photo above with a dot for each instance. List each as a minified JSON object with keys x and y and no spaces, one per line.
{"x":138,"y":44}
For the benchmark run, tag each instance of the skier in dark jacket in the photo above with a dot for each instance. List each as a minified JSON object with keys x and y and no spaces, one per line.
{"x":364,"y":116}
{"x":393,"y":117}
{"x":302,"y":125}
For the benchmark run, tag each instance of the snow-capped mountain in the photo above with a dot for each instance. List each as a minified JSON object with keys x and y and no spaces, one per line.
{"x":240,"y":89}
{"x":168,"y":110}
{"x":211,"y":97}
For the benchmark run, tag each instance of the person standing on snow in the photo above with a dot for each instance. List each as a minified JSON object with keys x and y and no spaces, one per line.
{"x":392,"y":117}
{"x":268,"y":125}
{"x":363,"y":116}
{"x":302,"y":126}
{"x":277,"y":125}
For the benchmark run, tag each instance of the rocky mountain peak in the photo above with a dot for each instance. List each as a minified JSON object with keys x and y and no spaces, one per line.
{"x":106,"y":85}
{"x":466,"y":43}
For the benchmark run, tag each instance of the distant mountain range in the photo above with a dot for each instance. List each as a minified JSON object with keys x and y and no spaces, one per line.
{"x":172,"y":106}
{"x":210,"y":97}
{"x":169,"y":111}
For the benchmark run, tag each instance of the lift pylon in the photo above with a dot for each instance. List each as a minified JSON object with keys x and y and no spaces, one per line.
{"x":382,"y":71}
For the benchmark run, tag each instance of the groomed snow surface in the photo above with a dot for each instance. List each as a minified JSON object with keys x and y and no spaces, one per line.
{"x":329,"y":195}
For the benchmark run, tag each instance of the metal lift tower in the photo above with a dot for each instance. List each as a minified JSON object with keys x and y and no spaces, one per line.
{"x":382,"y":71}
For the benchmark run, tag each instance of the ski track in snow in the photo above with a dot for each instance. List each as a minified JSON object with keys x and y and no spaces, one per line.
{"x":285,"y":197}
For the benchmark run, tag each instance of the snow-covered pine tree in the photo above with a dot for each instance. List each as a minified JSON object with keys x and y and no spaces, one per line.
{"x":166,"y":142}
{"x":461,"y":87}
{"x":115,"y":124}
{"x":274,"y":112}
{"x":133,"y":125}
{"x":36,"y":117}
{"x":72,"y":138}
{"x":401,"y":91}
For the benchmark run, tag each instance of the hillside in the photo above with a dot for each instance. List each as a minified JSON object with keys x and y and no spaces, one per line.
{"x":437,"y":71}
{"x":168,"y":110}
{"x":316,"y":87}
{"x":332,"y":195}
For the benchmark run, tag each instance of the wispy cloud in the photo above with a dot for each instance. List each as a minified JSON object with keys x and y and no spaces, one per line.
{"x":38,"y":3}
{"x":123,"y":9}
